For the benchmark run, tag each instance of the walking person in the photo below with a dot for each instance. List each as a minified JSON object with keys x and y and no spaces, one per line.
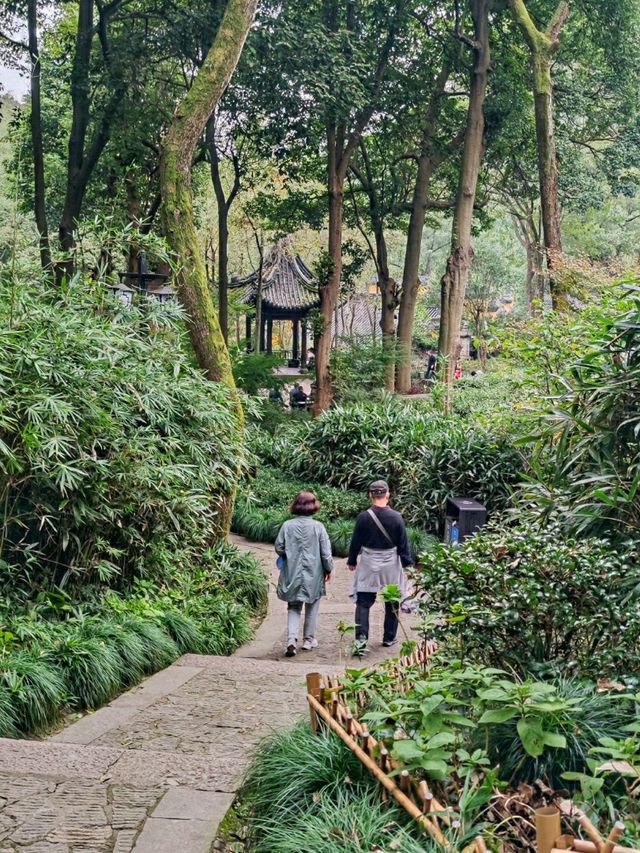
{"x":304,"y":544}
{"x":378,"y":555}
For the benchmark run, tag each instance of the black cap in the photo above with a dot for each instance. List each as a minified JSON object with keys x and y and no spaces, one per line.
{"x":379,"y":488}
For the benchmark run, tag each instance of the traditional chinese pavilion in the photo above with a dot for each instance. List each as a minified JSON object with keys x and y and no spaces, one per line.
{"x":289,"y":291}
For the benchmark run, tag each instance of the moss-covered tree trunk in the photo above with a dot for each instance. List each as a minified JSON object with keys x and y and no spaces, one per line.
{"x":453,"y":285}
{"x":186,"y":129}
{"x":543,"y":44}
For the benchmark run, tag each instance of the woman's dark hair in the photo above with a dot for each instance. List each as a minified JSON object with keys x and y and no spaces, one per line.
{"x":305,"y":503}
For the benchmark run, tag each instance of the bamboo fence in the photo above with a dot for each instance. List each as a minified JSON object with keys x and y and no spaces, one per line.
{"x":327,"y":706}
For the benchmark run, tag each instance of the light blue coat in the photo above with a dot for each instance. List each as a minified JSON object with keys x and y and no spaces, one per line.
{"x":305,"y":544}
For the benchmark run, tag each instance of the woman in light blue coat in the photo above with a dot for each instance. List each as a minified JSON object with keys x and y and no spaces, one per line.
{"x":304,"y":544}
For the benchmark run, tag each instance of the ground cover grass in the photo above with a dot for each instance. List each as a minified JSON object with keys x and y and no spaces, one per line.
{"x":60,"y":654}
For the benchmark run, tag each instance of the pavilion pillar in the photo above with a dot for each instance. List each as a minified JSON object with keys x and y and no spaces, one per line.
{"x":247,"y":330}
{"x":296,"y":340}
{"x":303,"y":354}
{"x":263,"y":334}
{"x":269,"y":336}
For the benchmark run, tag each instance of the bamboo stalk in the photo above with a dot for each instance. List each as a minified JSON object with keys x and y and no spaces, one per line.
{"x":614,"y":835}
{"x":313,"y":688}
{"x":582,"y":846}
{"x":387,"y":783}
{"x":547,"y":828}
{"x":404,"y":781}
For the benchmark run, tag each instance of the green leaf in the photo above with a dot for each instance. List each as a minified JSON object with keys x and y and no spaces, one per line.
{"x":436,"y":769}
{"x":531,"y":735}
{"x":494,"y":694}
{"x":407,"y":750}
{"x":555,"y":740}
{"x":441,"y":739}
{"x":498,"y":715}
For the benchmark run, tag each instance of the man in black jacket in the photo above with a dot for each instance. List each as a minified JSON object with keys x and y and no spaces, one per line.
{"x":378,"y":554}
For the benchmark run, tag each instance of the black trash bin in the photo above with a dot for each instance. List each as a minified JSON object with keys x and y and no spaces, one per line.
{"x":462,"y":518}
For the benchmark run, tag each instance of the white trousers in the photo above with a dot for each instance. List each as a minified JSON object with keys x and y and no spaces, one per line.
{"x":294,"y":612}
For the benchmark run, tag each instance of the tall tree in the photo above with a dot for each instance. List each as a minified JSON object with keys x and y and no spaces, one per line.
{"x":83,"y":157}
{"x":186,"y":130}
{"x":35,"y":119}
{"x":454,"y":281}
{"x":543,"y":44}
{"x":343,"y":135}
{"x":429,"y":156}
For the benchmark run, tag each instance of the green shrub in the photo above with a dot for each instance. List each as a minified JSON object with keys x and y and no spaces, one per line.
{"x":35,"y":689}
{"x":184,"y":631}
{"x":358,"y":372}
{"x":263,"y":507}
{"x":160,"y":650}
{"x":532,"y":598}
{"x":588,"y":455}
{"x":8,"y":726}
{"x":425,"y":457}
{"x":91,"y":668}
{"x":126,"y":642}
{"x":590,"y":717}
{"x":115,"y":451}
{"x":461,"y":461}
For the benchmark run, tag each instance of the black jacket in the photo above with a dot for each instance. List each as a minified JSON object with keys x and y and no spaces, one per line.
{"x":367,"y":535}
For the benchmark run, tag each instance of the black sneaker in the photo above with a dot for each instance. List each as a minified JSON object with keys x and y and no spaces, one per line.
{"x":388,"y":643}
{"x":291,"y":651}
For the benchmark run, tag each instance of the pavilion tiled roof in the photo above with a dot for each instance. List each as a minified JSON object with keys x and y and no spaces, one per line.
{"x":287,"y":283}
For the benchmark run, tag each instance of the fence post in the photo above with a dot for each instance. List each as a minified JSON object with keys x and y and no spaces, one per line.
{"x":547,"y":828}
{"x":313,"y":689}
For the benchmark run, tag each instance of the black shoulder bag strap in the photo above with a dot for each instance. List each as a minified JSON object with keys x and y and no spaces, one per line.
{"x":381,"y":528}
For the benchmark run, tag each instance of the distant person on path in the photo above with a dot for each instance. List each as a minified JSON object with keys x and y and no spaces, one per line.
{"x":457,"y":373}
{"x":432,"y":362}
{"x":298,"y":397}
{"x":304,"y":544}
{"x":378,"y":555}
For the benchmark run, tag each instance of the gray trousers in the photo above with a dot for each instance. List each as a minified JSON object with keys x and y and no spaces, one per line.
{"x":294,"y":612}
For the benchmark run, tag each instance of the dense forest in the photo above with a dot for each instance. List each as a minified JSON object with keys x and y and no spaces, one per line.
{"x":428,"y":215}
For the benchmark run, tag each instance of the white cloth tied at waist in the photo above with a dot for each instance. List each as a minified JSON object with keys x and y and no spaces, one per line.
{"x":377,"y":568}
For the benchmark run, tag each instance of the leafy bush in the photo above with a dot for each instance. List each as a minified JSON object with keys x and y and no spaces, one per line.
{"x":254,"y":371}
{"x":534,"y":598}
{"x":57,"y":653}
{"x":425,"y":457}
{"x":590,"y":438}
{"x":458,"y":460}
{"x":358,"y":370}
{"x":36,"y":691}
{"x":115,"y":452}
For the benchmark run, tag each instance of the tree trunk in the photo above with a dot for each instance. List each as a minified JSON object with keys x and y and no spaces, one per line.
{"x":82,"y":158}
{"x":427,"y":162}
{"x":223,"y":204}
{"x":542,"y":46}
{"x":410,"y":281}
{"x":330,"y":289}
{"x":188,"y":124}
{"x":36,"y":138}
{"x":454,"y":281}
{"x":186,"y":129}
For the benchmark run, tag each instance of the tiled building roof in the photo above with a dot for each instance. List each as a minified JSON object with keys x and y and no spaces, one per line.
{"x":287,"y":283}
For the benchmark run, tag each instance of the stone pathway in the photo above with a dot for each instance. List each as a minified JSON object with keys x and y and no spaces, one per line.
{"x":156,"y":770}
